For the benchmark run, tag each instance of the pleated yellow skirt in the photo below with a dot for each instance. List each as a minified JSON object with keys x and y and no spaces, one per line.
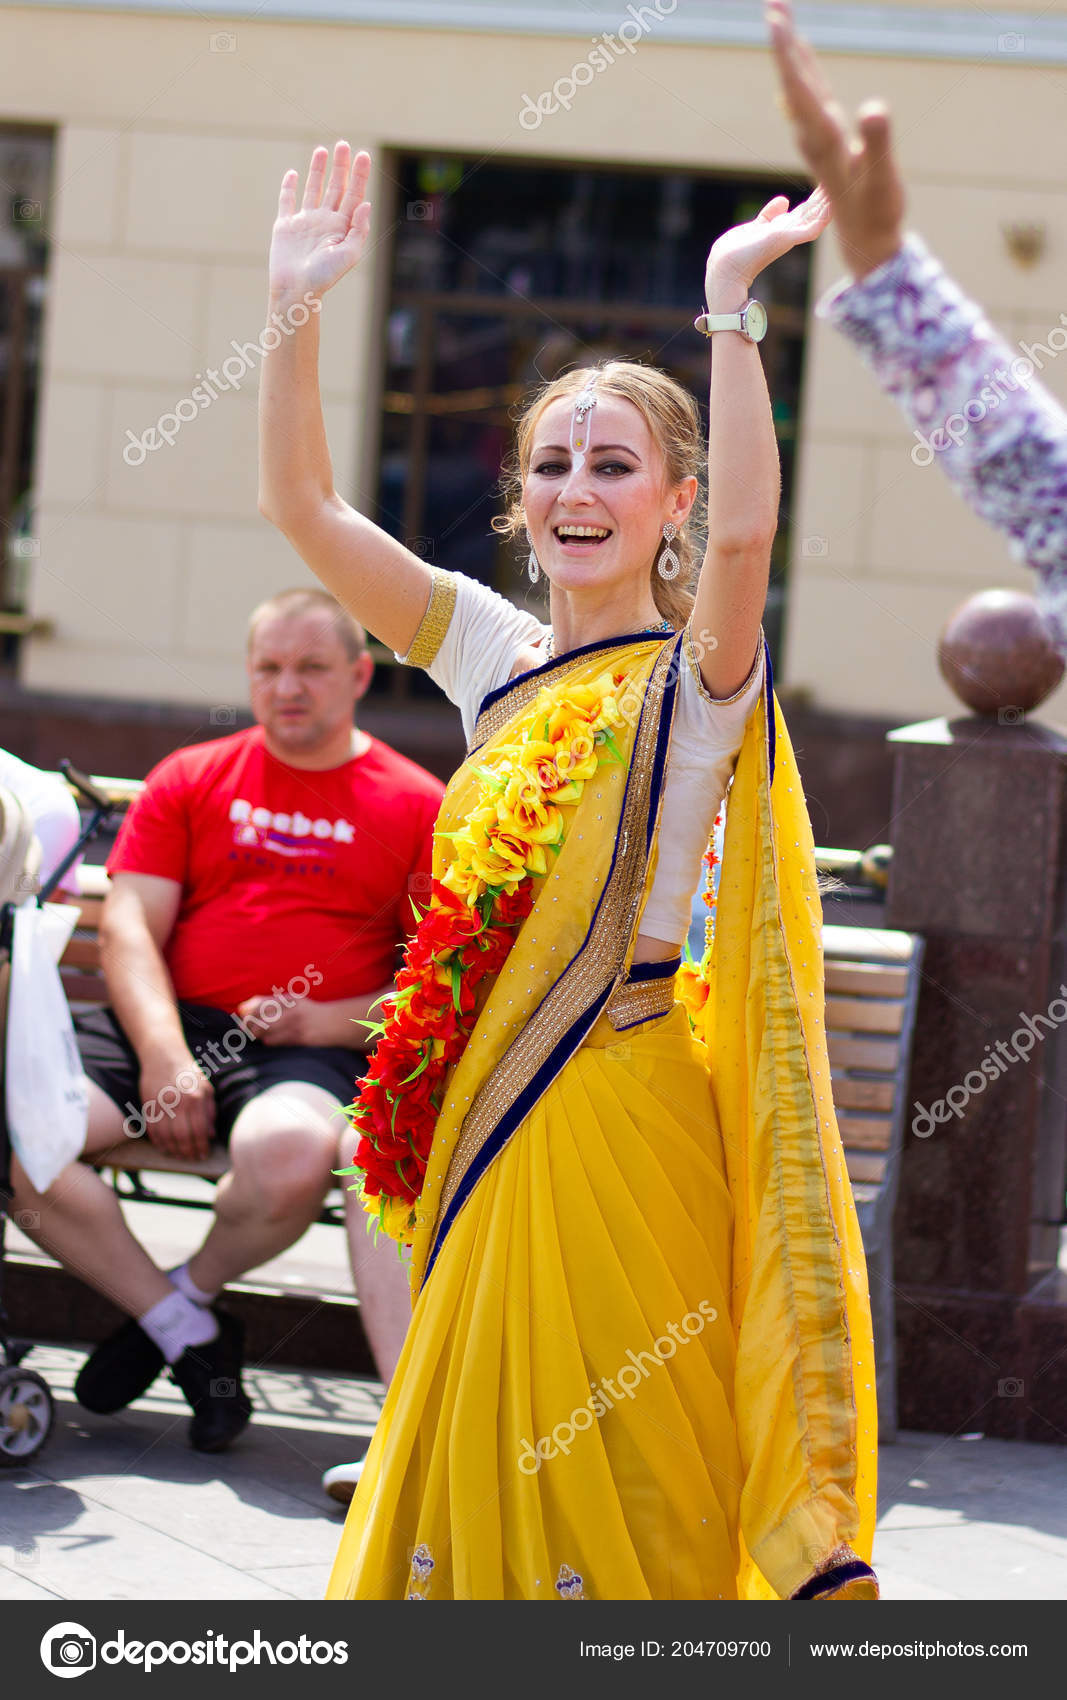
{"x":560,"y":1425}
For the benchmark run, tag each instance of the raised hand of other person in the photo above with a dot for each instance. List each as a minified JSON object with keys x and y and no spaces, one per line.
{"x":853,"y":163}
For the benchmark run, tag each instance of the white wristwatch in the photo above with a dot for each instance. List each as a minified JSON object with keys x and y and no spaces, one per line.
{"x":751,"y":321}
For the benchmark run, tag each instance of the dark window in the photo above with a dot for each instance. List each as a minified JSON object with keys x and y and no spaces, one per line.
{"x":504,"y":274}
{"x":25,"y":178}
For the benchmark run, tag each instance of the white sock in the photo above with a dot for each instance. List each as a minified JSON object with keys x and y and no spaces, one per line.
{"x":175,"y":1323}
{"x":184,"y":1282}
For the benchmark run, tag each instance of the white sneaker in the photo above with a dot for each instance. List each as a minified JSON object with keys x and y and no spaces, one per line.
{"x":340,"y":1482}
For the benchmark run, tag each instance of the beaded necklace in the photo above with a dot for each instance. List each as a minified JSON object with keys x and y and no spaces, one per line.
{"x":664,"y":626}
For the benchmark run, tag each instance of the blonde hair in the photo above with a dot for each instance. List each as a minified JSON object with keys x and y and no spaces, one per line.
{"x":673,"y":420}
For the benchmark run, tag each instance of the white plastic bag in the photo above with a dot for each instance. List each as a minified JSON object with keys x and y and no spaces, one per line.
{"x":47,"y":1102}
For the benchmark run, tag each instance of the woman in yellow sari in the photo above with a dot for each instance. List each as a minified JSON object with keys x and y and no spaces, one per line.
{"x":639,"y":1364}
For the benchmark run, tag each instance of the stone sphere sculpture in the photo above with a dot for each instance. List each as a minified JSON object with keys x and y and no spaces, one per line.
{"x":997,"y":654}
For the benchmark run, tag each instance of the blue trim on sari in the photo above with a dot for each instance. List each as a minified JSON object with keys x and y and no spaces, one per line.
{"x":769,"y":690}
{"x":579,"y":1029}
{"x":640,"y":971}
{"x":567,"y":655}
{"x":828,"y":1581}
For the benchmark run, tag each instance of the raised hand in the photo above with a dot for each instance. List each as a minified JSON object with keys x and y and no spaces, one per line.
{"x":854,"y":164}
{"x":740,"y":254}
{"x":314,"y":244}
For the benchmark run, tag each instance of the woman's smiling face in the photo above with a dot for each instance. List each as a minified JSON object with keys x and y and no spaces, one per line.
{"x":618,"y":496}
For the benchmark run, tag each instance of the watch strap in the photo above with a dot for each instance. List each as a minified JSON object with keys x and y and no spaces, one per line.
{"x":707,"y":323}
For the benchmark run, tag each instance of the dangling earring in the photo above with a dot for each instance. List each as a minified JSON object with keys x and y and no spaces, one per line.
{"x":533,"y":566}
{"x":669,"y":565}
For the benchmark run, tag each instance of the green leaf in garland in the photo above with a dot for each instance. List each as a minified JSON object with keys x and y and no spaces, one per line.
{"x":425,"y":1063}
{"x":457,"y":985}
{"x":606,"y":739}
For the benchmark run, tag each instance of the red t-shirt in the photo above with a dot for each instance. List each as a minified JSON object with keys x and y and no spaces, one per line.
{"x":283,"y":870}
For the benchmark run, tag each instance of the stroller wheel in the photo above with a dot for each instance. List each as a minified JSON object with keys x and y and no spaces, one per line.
{"x":26,"y":1415}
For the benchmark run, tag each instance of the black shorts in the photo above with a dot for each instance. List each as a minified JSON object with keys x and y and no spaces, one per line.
{"x":239,"y":1068}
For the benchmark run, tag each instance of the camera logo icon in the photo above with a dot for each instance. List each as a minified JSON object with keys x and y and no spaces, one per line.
{"x":68,"y":1649}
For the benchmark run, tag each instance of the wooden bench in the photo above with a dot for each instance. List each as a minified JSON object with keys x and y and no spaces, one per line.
{"x":872,"y":990}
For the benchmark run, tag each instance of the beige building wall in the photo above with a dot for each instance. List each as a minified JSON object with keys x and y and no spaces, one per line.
{"x":170,"y":152}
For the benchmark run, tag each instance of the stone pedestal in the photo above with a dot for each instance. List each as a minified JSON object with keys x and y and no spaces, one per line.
{"x":979,"y":833}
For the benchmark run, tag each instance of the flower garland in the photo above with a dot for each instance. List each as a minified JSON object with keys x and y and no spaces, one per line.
{"x":692,"y":981}
{"x":463,"y":940}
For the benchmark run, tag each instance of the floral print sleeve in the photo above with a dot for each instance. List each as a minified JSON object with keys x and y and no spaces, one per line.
{"x":973,"y":403}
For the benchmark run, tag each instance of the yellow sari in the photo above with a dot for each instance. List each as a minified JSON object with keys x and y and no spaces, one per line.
{"x":639,"y":1364}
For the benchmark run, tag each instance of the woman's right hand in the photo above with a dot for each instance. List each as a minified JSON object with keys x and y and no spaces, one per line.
{"x":314,"y":244}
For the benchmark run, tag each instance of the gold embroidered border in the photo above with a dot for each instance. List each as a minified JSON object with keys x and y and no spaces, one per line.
{"x":584,"y":978}
{"x":435,"y":622}
{"x":522,"y":692}
{"x":640,"y":1001}
{"x":689,"y":651}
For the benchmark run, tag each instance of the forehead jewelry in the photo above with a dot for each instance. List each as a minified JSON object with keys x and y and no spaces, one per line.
{"x":584,"y":404}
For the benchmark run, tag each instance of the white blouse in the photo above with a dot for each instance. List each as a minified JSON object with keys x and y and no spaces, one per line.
{"x":476,"y":656}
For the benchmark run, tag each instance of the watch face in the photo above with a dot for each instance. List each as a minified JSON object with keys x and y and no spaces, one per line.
{"x":756,"y":320}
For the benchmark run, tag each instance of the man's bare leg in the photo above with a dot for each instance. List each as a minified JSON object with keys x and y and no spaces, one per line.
{"x":382,"y":1282}
{"x":282,"y":1151}
{"x":382,"y":1279}
{"x":79,"y":1220}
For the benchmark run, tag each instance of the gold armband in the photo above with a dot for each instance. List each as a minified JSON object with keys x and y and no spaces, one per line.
{"x":434,"y":623}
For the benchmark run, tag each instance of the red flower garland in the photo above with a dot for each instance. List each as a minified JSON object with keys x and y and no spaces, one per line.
{"x":431,"y":1017}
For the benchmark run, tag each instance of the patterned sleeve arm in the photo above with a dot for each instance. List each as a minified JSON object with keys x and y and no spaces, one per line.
{"x":972,"y":402}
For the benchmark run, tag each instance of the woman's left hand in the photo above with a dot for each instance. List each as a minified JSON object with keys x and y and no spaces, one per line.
{"x":740,"y":254}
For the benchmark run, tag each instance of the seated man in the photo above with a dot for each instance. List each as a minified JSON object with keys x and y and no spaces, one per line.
{"x":260,"y":887}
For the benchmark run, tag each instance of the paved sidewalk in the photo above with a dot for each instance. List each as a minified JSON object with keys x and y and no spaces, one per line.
{"x":119,"y":1508}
